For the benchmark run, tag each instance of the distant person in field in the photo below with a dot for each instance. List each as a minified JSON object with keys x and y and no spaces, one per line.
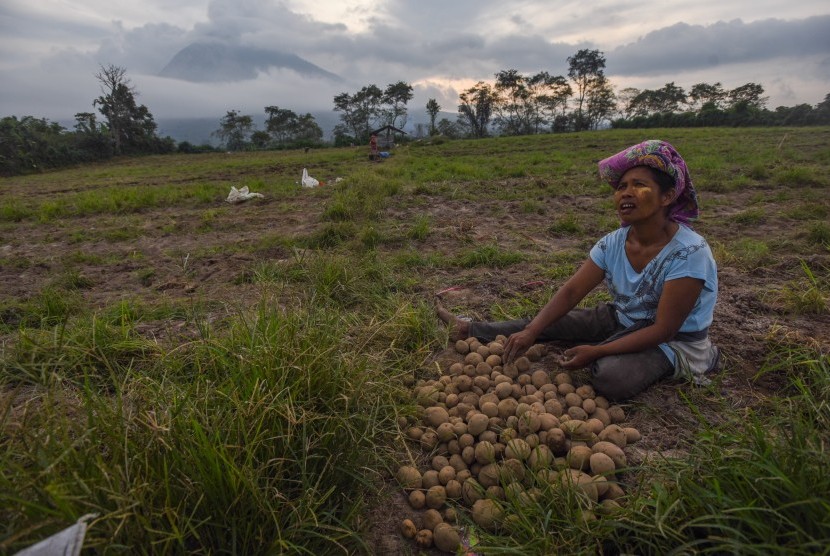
{"x":661,"y":276}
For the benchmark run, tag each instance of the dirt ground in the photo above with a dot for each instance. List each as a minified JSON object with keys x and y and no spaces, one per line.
{"x":175,"y":254}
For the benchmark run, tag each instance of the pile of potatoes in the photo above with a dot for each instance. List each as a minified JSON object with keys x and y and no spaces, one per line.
{"x":495,"y":432}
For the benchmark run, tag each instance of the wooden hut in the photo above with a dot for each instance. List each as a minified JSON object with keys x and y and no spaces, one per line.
{"x":386,"y":136}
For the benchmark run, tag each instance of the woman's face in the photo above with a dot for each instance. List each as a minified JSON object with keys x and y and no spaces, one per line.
{"x":638,"y":197}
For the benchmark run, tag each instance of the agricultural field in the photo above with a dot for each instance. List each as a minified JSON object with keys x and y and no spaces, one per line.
{"x":212,"y":378}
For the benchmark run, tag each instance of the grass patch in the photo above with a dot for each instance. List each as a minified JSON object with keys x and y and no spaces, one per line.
{"x":489,"y":255}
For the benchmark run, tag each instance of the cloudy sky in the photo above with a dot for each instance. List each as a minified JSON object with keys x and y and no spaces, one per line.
{"x":51,"y":49}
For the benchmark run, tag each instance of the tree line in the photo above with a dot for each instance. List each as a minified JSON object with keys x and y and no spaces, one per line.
{"x":513,"y":104}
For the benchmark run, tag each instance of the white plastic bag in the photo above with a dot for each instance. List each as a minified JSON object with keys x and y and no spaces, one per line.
{"x":239,"y":195}
{"x":308,"y":181}
{"x":64,"y":543}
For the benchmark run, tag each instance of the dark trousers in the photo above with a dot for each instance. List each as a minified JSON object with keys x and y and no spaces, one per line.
{"x":617,"y":377}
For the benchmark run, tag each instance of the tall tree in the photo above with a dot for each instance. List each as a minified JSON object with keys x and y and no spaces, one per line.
{"x":550,"y":96}
{"x":749,"y":95}
{"x":599,"y":103}
{"x":586,"y":70}
{"x":513,"y":106}
{"x":359,"y":112}
{"x":433,"y":108}
{"x":396,"y":96}
{"x":234,"y":130}
{"x":705,"y":94}
{"x":476,"y":109}
{"x":131,"y":126}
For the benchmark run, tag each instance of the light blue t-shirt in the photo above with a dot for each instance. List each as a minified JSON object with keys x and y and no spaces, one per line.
{"x":636,"y":294}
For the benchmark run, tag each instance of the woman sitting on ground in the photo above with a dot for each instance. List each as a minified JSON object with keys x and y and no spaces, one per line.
{"x":661,"y":276}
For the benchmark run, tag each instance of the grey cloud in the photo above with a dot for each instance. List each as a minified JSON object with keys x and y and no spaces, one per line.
{"x":686,"y":47}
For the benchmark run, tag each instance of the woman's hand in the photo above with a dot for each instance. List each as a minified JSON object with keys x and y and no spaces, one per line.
{"x":580,"y":356}
{"x":517,"y":344}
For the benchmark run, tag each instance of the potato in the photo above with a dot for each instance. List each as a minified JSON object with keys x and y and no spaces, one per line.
{"x":466,"y":440}
{"x":609,"y":507}
{"x":611,"y":450}
{"x":576,"y":412}
{"x":463,"y":383}
{"x":601,"y":464}
{"x":522,"y":364}
{"x":414,"y":433}
{"x":484,"y":370}
{"x":554,"y":407}
{"x":450,"y":515}
{"x":555,"y":440}
{"x":489,"y":475}
{"x":512,"y":470}
{"x":471,"y":491}
{"x":588,"y":405}
{"x":540,"y":378}
{"x":579,"y":481}
{"x":431,"y":518}
{"x":562,"y":378}
{"x":434,"y":416}
{"x":477,"y":424}
{"x":446,"y":474}
{"x":436,"y":496}
{"x":614,"y":434}
{"x":586,"y":391}
{"x":594,"y":425}
{"x":614,"y":492}
{"x":408,"y":529}
{"x":602,"y":415}
{"x":493,"y":360}
{"x":409,"y":477}
{"x":547,"y":421}
{"x":540,"y":457}
{"x":575,"y":429}
{"x":494,"y":492}
{"x":485,"y":453}
{"x":462,"y":347}
{"x":573,"y":399}
{"x":507,"y":407}
{"x":486,"y":514}
{"x":602,"y":485}
{"x":579,"y":458}
{"x":632,"y":435}
{"x":602,"y":402}
{"x":458,"y":462}
{"x":446,"y":538}
{"x":456,"y":369}
{"x":490,"y":409}
{"x":429,"y":478}
{"x":496,"y":347}
{"x":473,"y":358}
{"x":617,"y":414}
{"x":529,"y":423}
{"x":423,"y":538}
{"x":517,"y":449}
{"x":439,"y":462}
{"x":445,"y":432}
{"x":453,"y":488}
{"x":489,"y":436}
{"x":417,"y":499}
{"x":565,"y":389}
{"x":503,"y":390}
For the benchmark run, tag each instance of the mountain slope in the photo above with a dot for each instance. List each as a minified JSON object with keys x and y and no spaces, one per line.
{"x":204,"y":62}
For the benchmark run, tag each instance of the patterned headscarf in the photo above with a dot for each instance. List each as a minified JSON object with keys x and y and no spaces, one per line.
{"x":661,"y":156}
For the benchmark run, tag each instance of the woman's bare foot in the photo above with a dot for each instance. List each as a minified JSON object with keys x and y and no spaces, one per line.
{"x":459,"y":329}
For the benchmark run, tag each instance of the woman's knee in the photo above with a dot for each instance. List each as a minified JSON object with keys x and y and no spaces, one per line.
{"x":619,"y":377}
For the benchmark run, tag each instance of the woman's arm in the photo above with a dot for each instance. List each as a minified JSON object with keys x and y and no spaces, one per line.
{"x":676,"y":302}
{"x":585,"y":279}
